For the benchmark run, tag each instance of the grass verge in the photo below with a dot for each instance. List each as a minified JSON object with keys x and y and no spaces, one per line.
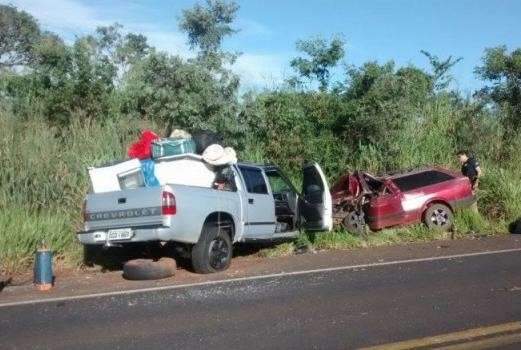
{"x":467,"y":224}
{"x":24,"y":231}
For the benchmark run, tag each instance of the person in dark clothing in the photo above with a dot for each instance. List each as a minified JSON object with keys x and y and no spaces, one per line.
{"x":470,"y":168}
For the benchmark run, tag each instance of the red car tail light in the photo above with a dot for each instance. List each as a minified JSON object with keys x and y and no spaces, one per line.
{"x":168,"y":206}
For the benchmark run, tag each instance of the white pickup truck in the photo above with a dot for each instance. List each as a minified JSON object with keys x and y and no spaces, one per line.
{"x":257,"y":203}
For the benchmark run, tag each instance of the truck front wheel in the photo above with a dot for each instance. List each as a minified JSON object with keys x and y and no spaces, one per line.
{"x":213,"y":251}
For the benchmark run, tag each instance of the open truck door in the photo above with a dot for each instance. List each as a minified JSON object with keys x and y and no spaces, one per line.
{"x":315,"y":205}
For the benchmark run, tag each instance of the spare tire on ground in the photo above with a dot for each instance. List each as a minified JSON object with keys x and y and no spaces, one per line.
{"x":147,"y":269}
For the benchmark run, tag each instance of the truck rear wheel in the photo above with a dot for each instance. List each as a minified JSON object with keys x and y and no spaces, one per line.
{"x":439,"y":217}
{"x":213,"y":251}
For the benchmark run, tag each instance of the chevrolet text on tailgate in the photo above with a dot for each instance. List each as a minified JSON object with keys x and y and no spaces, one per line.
{"x":123,"y":214}
{"x":246,"y":202}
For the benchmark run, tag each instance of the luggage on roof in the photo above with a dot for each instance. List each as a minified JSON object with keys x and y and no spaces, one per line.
{"x":172,"y":147}
{"x":205,"y":138}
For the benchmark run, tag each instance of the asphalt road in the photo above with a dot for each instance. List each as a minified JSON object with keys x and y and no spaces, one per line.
{"x":338,"y":309}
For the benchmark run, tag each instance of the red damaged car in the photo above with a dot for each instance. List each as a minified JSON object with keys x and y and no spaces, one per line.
{"x":430,"y":195}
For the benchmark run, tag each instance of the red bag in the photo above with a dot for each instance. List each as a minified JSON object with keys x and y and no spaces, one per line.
{"x":142,"y":148}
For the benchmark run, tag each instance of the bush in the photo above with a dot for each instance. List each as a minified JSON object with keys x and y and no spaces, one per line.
{"x":468,"y":221}
{"x":23,"y":231}
{"x":500,"y":194}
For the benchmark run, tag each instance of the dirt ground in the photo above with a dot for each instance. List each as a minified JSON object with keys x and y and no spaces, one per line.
{"x":69,"y":282}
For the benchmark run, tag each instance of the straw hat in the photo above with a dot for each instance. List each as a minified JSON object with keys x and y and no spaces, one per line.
{"x":217,"y":155}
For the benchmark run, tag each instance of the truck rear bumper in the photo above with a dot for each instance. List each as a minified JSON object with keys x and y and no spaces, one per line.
{"x":138,"y":235}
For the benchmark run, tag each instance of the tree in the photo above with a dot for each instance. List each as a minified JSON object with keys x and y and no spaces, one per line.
{"x":360,"y":80}
{"x":83,"y":77}
{"x":208,"y":25}
{"x":134,"y":47}
{"x":441,"y":68}
{"x":93,"y":79}
{"x":204,"y":89}
{"x":182,"y":94}
{"x":322,"y":56}
{"x":50,"y":51}
{"x":503,"y":69}
{"x":120,"y":50}
{"x":378,"y":100}
{"x":18,"y":33}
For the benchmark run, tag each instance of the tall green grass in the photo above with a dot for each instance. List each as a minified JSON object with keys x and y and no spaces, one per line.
{"x":43,"y":180}
{"x":43,"y":176}
{"x":24,"y":230}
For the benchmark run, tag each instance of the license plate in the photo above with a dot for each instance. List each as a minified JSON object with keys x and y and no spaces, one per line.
{"x":119,"y":234}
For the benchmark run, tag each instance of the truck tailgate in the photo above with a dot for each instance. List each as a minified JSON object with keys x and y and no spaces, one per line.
{"x":127,"y":208}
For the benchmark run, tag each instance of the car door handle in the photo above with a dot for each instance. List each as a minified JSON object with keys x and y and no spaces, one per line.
{"x":250,"y":200}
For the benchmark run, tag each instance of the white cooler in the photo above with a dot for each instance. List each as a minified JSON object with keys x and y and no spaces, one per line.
{"x":124,"y":175}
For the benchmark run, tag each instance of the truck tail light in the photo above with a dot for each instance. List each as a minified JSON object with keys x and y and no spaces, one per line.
{"x":168,"y":206}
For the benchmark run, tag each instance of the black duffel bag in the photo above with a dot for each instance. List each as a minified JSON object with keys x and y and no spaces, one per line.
{"x":205,"y":138}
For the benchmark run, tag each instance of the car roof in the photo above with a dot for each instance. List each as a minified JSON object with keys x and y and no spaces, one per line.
{"x":417,"y":171}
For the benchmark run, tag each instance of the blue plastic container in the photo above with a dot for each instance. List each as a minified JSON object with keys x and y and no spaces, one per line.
{"x":148,"y":166}
{"x":172,"y":147}
{"x":43,"y":274}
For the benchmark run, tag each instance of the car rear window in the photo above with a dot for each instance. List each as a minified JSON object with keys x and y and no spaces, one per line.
{"x":425,"y":178}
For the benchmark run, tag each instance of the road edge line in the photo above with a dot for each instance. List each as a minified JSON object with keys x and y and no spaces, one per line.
{"x":256,"y":277}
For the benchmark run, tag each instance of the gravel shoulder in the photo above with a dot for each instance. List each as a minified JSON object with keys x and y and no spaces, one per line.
{"x":85,"y":282}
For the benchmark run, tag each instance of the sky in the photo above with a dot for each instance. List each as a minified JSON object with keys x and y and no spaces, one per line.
{"x":380,"y":30}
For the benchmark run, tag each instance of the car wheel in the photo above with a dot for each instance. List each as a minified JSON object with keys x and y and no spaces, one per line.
{"x":439,"y":217}
{"x":213,"y":251}
{"x":147,"y":269}
{"x":354,"y":222}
